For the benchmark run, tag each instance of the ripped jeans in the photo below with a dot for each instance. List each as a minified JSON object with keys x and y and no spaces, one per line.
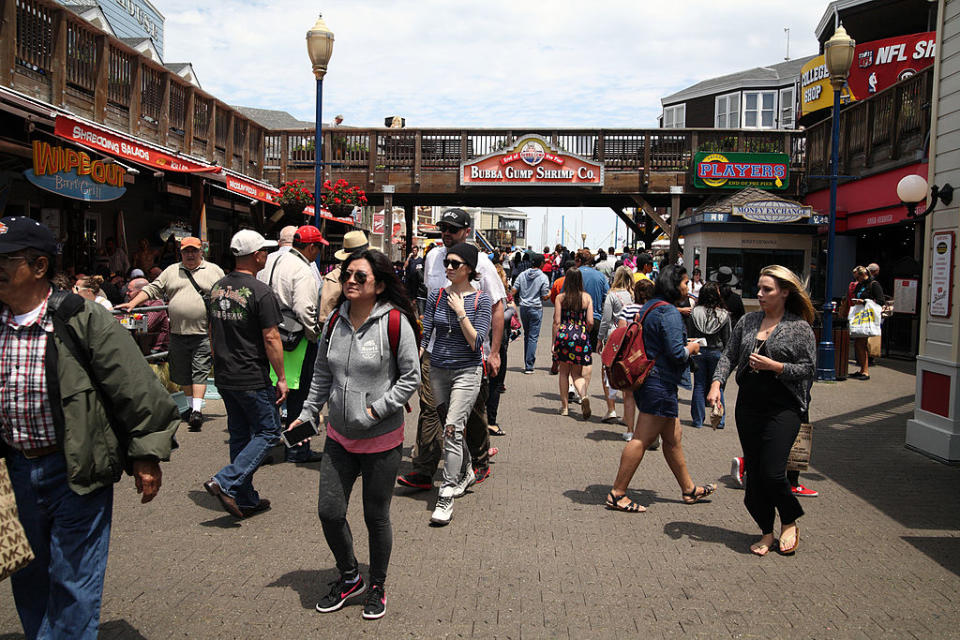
{"x":457,"y":389}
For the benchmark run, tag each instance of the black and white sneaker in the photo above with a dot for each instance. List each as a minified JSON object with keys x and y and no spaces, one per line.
{"x":341,"y":592}
{"x":375,"y":604}
{"x":443,"y":512}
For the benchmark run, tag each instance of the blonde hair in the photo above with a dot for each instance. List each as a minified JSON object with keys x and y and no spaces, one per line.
{"x":92,"y":282}
{"x":798,"y":301}
{"x":860,"y":271}
{"x":622,"y":279}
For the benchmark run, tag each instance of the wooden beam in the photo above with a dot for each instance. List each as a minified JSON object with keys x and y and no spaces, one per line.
{"x":136,"y":95}
{"x":674,"y":229}
{"x":211,"y":132}
{"x":228,"y":147}
{"x":101,"y":90}
{"x":651,"y":213}
{"x":417,"y":164}
{"x":8,"y":41}
{"x":627,"y":220}
{"x":188,"y":119}
{"x":58,"y":63}
{"x":284,"y":157}
{"x":164,"y":124}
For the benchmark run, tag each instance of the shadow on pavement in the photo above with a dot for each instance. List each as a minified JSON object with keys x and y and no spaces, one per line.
{"x":945,"y":551}
{"x":735,"y":540}
{"x":119,"y":630}
{"x":596,"y":494}
{"x":603,"y":435}
{"x":313,"y":585}
{"x":226,"y":521}
{"x":205,"y":500}
{"x":12,"y":636}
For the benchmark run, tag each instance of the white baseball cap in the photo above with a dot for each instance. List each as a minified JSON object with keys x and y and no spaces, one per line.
{"x":247,"y":241}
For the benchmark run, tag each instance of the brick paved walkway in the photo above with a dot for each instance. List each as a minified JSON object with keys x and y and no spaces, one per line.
{"x":532,"y":554}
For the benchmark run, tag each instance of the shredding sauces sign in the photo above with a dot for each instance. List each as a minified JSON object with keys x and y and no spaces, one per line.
{"x":532,"y":161}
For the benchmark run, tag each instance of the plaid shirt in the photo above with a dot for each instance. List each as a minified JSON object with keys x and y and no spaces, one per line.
{"x":26,"y":419}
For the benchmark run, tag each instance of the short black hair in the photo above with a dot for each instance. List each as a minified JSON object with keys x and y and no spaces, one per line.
{"x":644,"y":259}
{"x":536,"y":260}
{"x":668,"y":283}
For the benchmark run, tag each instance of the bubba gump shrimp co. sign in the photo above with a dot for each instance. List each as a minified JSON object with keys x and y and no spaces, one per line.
{"x":532,"y":161}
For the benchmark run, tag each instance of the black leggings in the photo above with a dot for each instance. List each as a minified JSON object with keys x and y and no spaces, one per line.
{"x":338,"y":473}
{"x":766,"y":438}
{"x":493,"y":401}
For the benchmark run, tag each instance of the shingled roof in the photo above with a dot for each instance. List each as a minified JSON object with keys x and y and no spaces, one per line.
{"x":774,"y":75}
{"x":723,"y":204}
{"x":272,"y":119}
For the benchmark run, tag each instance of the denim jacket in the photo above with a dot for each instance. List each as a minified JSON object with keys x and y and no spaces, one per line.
{"x":665,"y":340}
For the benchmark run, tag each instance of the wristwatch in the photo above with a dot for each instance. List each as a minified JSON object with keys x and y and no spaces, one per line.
{"x":461,"y":318}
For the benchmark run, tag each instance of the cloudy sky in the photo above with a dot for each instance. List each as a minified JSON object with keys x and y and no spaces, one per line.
{"x":495,"y":63}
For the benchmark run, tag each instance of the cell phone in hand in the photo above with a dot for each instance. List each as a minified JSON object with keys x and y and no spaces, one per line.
{"x":299,"y":433}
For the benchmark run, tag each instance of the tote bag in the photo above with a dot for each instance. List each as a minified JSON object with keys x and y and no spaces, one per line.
{"x":15,"y":551}
{"x":864,"y":319}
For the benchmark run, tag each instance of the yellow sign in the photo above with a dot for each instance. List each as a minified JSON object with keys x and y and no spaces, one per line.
{"x":815,"y":90}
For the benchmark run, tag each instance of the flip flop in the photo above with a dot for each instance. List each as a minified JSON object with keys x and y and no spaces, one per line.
{"x":796,"y":543}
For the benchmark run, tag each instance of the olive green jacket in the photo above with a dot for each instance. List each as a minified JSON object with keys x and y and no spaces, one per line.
{"x":145,"y":416}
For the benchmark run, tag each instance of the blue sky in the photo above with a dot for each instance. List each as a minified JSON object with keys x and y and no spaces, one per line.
{"x":495,"y":63}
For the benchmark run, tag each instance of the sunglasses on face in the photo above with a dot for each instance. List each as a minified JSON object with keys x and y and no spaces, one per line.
{"x":360,"y":277}
{"x":452,"y":264}
{"x":447,"y":228}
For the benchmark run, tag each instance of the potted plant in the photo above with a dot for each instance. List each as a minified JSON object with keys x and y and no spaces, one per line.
{"x":340,"y":197}
{"x":293,"y":198}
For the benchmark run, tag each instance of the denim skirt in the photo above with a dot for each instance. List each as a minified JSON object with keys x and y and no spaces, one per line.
{"x":657,"y":398}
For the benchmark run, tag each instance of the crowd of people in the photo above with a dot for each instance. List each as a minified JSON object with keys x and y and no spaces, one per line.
{"x":295,"y":351}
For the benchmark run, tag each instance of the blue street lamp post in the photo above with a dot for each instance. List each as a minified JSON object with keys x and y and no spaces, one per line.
{"x":838,"y":52}
{"x":320,"y":48}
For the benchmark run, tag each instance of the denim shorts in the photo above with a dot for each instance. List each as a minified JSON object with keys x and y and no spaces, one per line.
{"x":657,"y":398}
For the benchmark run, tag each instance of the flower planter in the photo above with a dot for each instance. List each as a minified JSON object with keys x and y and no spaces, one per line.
{"x":340,"y":210}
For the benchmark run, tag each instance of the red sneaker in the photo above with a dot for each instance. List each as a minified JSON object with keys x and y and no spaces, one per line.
{"x":415,"y":480}
{"x":802,"y":491}
{"x":492,"y":451}
{"x":482,"y":473}
{"x":736,"y":470}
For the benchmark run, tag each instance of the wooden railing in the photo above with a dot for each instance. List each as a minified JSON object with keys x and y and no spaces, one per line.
{"x":879,"y":133}
{"x":429,"y":150}
{"x":53,"y":55}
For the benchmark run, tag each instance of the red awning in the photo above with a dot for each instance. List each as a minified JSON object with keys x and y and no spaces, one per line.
{"x":126,"y":147}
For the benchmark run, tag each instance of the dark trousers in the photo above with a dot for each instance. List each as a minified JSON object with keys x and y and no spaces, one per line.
{"x":295,"y":400}
{"x":430,"y":427}
{"x":766,"y":437}
{"x":338,"y":473}
{"x":493,"y":401}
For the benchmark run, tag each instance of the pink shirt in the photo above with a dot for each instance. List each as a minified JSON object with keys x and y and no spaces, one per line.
{"x":367,"y":445}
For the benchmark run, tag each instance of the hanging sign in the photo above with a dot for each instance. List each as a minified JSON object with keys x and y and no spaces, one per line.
{"x":941,"y":276}
{"x":905,"y":295}
{"x":733,"y":170}
{"x":775,"y":211}
{"x":125,"y":147}
{"x":531,"y":162}
{"x":876,"y":66}
{"x":74,"y":174}
{"x":377,"y":223}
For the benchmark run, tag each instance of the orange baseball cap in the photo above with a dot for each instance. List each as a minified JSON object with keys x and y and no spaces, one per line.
{"x":190,"y":241}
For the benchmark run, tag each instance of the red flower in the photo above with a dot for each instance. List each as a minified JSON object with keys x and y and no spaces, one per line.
{"x":336,"y":200}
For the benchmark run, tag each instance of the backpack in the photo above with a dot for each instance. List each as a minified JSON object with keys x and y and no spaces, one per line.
{"x":394,"y":317}
{"x":624,"y":356}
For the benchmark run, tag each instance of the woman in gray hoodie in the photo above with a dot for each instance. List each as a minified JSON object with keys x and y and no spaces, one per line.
{"x":367,"y":368}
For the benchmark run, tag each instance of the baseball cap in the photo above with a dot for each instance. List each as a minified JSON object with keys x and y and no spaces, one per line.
{"x":190,"y":241}
{"x":247,"y":241}
{"x":21,"y":232}
{"x":456,"y":217}
{"x":136,"y":273}
{"x":309,"y":234}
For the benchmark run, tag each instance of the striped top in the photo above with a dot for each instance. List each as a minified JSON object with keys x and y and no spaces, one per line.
{"x":450,"y":349}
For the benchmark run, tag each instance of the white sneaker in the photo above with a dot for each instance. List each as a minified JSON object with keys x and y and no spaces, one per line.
{"x":737,"y":471}
{"x":443,"y":513}
{"x":628,"y":436}
{"x":468,"y":479}
{"x":611,"y":418}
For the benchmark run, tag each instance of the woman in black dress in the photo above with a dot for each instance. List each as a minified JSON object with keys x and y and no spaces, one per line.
{"x":774,"y":352}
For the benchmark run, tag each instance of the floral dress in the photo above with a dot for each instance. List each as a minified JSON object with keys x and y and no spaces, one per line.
{"x":572,"y":345}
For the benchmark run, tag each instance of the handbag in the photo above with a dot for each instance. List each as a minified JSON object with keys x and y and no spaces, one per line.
{"x":864,"y":319}
{"x":15,"y":551}
{"x":799,"y":458}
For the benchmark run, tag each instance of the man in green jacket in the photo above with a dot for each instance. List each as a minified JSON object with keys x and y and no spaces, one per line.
{"x":78,"y":406}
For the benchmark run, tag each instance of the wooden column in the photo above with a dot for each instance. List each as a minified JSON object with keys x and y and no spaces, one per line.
{"x":58,"y":63}
{"x":409,"y":215}
{"x":284,"y":153}
{"x":245,"y":152}
{"x":8,"y":41}
{"x":136,"y":95}
{"x":212,"y":132}
{"x":188,"y":120}
{"x":371,"y":159}
{"x":164,"y":125}
{"x":417,"y":165}
{"x":228,"y":147}
{"x":197,"y":198}
{"x":101,"y":90}
{"x":262,"y":157}
{"x":327,"y":141}
{"x":674,"y":228}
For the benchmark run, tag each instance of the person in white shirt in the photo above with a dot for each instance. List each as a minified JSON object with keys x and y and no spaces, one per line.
{"x":455,"y":226}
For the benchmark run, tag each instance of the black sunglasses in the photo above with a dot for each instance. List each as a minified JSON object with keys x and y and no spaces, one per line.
{"x":360,"y":277}
{"x":452,"y":264}
{"x":445,"y":228}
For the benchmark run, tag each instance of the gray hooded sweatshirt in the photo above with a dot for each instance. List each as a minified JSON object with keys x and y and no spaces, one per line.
{"x":355,"y":370}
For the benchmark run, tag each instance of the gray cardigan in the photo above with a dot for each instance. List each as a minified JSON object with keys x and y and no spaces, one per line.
{"x":792,"y":343}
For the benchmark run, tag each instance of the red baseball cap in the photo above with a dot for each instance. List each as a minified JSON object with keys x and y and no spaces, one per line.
{"x":309,"y":234}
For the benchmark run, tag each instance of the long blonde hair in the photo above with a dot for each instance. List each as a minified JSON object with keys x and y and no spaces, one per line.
{"x":798,"y":301}
{"x":622,"y":279}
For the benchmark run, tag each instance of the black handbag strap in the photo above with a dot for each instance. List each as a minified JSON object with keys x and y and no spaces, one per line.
{"x":194,"y":282}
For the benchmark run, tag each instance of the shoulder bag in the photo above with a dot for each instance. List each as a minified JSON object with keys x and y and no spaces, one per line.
{"x":15,"y":551}
{"x":291,"y":331}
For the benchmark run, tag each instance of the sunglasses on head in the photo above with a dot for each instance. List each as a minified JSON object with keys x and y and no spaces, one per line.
{"x":360,"y":277}
{"x":452,"y":264}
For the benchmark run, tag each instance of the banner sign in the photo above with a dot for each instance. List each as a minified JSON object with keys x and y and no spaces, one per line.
{"x":941,"y":278}
{"x":876,"y":65}
{"x":774,"y":211}
{"x":531,"y":162}
{"x":738,"y":170}
{"x":74,"y":174}
{"x":121,"y":146}
{"x":377,"y":223}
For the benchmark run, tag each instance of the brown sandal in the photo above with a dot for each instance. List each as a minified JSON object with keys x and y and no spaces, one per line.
{"x":613,"y":503}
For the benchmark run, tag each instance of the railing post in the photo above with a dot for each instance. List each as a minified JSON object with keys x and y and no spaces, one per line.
{"x":164,"y":123}
{"x":740,"y":140}
{"x":284,"y":156}
{"x":327,"y":140}
{"x":102,"y":88}
{"x":189,"y":103}
{"x":894,"y":123}
{"x":646,"y":159}
{"x":417,"y":156}
{"x":463,"y":149}
{"x":211,"y":133}
{"x":694,"y":142}
{"x":245,"y":152}
{"x":8,"y":42}
{"x":262,"y":156}
{"x":601,"y":152}
{"x":371,"y":157}
{"x":133,"y":109}
{"x":58,"y":61}
{"x":228,"y":147}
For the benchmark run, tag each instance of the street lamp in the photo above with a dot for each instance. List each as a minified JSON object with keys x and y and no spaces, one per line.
{"x":912,"y":190}
{"x":838,"y":52}
{"x":319,"y":48}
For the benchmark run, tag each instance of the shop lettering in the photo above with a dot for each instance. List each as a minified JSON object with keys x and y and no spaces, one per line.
{"x":48,"y":160}
{"x":751,"y":171}
{"x":812,"y":93}
{"x":83,"y":135}
{"x":541,"y":173}
{"x":814,"y":75}
{"x":131,"y":150}
{"x":137,"y":13}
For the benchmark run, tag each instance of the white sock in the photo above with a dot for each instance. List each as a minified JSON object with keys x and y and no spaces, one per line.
{"x":196,"y":403}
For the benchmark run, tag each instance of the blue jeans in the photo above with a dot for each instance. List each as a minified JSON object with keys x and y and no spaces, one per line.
{"x":706,"y":361}
{"x":530,"y":318}
{"x":58,"y":594}
{"x":254,"y":426}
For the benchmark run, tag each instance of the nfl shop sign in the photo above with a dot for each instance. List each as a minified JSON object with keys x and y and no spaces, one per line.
{"x":876,"y":66}
{"x":738,"y":170}
{"x":532,"y":161}
{"x":105,"y":140}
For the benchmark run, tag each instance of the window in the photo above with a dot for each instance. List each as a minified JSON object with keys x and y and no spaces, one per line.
{"x":759,"y":109}
{"x":786,"y":109}
{"x":675,"y":117}
{"x":747,"y":263}
{"x":727,"y":111}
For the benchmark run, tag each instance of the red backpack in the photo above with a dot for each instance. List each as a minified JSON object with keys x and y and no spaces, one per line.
{"x":624,"y":356}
